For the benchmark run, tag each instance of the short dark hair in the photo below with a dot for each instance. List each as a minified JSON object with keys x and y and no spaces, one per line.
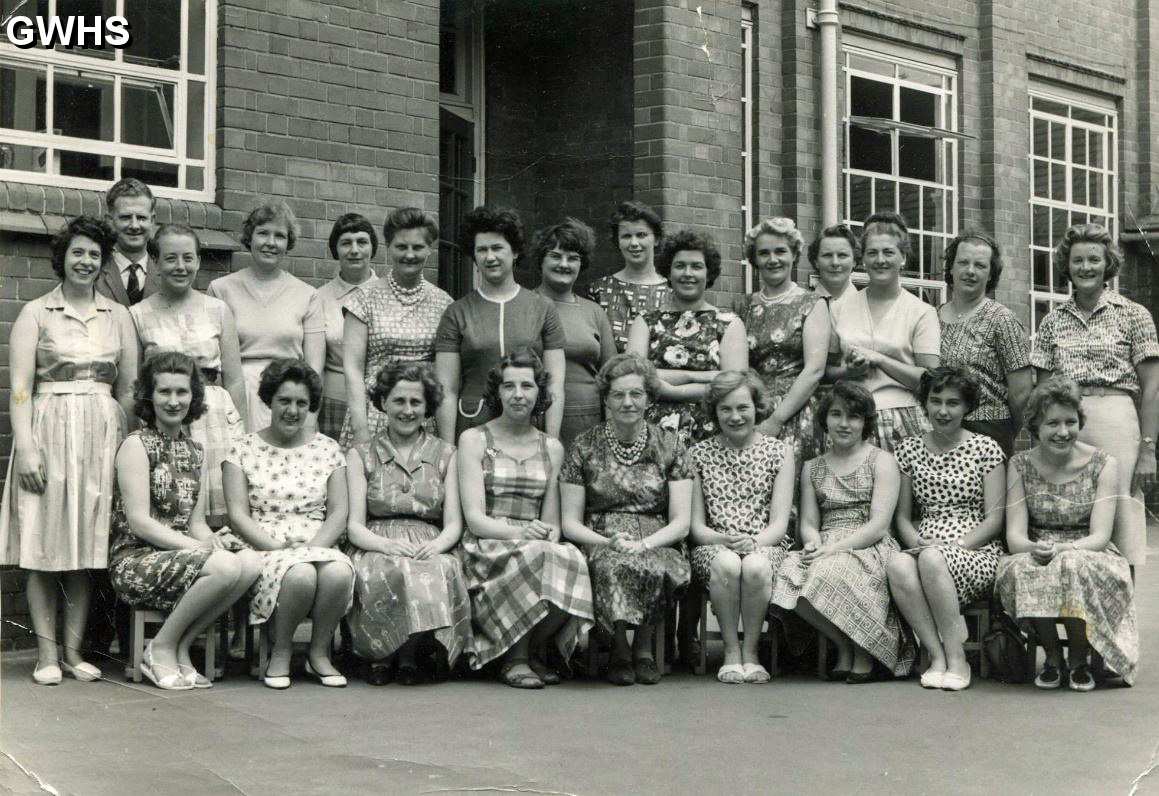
{"x":688,"y":241}
{"x":264,"y":214}
{"x":1088,"y":233}
{"x":394,"y":372}
{"x":836,"y":231}
{"x":570,"y":235}
{"x":173,"y":230}
{"x":522,"y":357}
{"x":635,"y":211}
{"x":410,"y":218}
{"x":352,"y":222}
{"x":887,"y":222}
{"x":858,"y":401}
{"x":297,"y":371}
{"x":1055,"y":391}
{"x":974,"y":236}
{"x":782,"y":227}
{"x":954,"y":377}
{"x":628,"y":364}
{"x":95,"y":229}
{"x":127,"y":187}
{"x":154,"y":365}
{"x":728,"y":380}
{"x":500,"y":221}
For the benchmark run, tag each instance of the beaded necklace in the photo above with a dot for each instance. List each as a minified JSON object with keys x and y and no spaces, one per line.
{"x":626,"y":455}
{"x":407,"y":296}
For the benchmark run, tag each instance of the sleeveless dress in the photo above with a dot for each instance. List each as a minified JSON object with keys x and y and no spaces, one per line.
{"x":397,"y":597}
{"x":948,"y":487}
{"x":629,"y":587}
{"x":849,"y":588}
{"x":623,"y":301}
{"x":1092,"y":585}
{"x":512,"y":581}
{"x":144,"y":575}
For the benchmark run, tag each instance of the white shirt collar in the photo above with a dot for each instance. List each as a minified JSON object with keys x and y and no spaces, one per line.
{"x":124,"y":262}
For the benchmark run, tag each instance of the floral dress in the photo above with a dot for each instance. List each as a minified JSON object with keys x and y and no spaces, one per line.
{"x":849,"y":588}
{"x":397,"y":597}
{"x":737,"y":486}
{"x":143,"y":575}
{"x":287,"y":499}
{"x":1092,"y":585}
{"x":948,"y":487}
{"x":629,"y":587}
{"x":687,"y":340}
{"x":623,"y":301}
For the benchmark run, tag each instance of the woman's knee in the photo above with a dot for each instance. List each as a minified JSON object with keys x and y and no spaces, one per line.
{"x":223,"y":564}
{"x":725,"y":568}
{"x":902,"y":571}
{"x":299,"y":579}
{"x":932,"y":562}
{"x":755,"y":568}
{"x":250,"y":563}
{"x":334,"y":574}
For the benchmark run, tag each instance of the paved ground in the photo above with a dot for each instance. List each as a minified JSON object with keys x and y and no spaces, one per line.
{"x":686,"y":735}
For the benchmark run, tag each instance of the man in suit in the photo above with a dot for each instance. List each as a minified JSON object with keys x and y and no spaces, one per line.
{"x":125,"y":277}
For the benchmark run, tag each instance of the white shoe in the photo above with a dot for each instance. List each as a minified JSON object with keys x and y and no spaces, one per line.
{"x":932,"y":679}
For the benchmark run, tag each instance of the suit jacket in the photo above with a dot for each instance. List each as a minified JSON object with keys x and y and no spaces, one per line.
{"x":110,"y":284}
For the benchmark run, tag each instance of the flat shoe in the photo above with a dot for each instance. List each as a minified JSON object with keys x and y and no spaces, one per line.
{"x":548,"y":675}
{"x":278,"y":682}
{"x":860,"y":678}
{"x":932,"y":679}
{"x":83,"y":671}
{"x":408,"y":675}
{"x":379,"y":674}
{"x":328,"y":680}
{"x":167,"y":678}
{"x":47,"y":675}
{"x":647,"y":673}
{"x":837,"y":675}
{"x":194,"y":677}
{"x":1049,"y":678}
{"x":621,"y":672}
{"x":1080,"y":678}
{"x":955,"y":682}
{"x":730,"y":673}
{"x":755,"y":673}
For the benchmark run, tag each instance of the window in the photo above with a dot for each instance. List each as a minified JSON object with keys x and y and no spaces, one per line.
{"x":1073,"y":181}
{"x":748,"y":142}
{"x":84,"y":117}
{"x":902,"y":153}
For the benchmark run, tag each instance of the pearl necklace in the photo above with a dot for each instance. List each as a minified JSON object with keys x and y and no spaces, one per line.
{"x":407,"y":296}
{"x":626,"y":455}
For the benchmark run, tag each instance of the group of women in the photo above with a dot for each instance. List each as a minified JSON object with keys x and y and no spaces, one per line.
{"x":498,"y":476}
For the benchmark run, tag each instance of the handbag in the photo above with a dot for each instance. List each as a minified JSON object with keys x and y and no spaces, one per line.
{"x":1005,"y":648}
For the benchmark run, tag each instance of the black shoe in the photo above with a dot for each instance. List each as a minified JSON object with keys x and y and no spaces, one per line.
{"x":547,"y":674}
{"x":380,"y":674}
{"x":409,"y":674}
{"x":621,"y":673}
{"x":860,"y":678}
{"x":647,"y":673}
{"x":837,"y":675}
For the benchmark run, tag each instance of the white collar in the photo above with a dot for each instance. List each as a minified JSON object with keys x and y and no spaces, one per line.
{"x":124,"y":262}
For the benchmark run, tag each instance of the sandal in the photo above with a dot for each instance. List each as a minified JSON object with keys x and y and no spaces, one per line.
{"x":621,"y":672}
{"x":530,"y":680}
{"x":731,"y":673}
{"x":194,"y":677}
{"x":167,"y":678}
{"x":548,"y":675}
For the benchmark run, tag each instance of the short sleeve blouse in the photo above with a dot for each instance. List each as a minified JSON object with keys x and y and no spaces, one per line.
{"x":274,"y":324}
{"x":991,"y":343}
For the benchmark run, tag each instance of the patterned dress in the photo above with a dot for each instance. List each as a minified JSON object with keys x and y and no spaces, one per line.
{"x":397,"y":597}
{"x":144,"y":575}
{"x":948,"y":488}
{"x":848,"y":588}
{"x":685,"y":341}
{"x":196,"y":330}
{"x":623,"y":301}
{"x":395,"y":332}
{"x":1092,"y":585}
{"x":776,"y":341}
{"x":737,"y":486}
{"x":512,"y":581}
{"x":287,"y":499}
{"x":629,"y":587}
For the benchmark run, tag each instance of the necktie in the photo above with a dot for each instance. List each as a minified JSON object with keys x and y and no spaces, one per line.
{"x":133,"y":286}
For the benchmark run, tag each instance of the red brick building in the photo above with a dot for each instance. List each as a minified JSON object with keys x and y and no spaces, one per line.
{"x":1017,"y":117}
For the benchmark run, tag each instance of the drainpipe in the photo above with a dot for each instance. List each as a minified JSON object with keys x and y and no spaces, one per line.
{"x":829,"y":23}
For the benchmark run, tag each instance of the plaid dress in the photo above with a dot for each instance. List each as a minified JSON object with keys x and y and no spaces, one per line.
{"x":511,"y":581}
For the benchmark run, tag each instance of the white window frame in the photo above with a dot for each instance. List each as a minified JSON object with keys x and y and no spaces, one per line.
{"x":930,"y":280}
{"x":1108,"y":174}
{"x":748,"y":170}
{"x":121,"y":72}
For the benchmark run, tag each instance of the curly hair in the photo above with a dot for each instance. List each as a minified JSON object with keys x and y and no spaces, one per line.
{"x":393,"y":373}
{"x":410,"y":218}
{"x":1088,"y":233}
{"x":841,"y":231}
{"x":688,"y":241}
{"x":95,"y":229}
{"x":635,"y":211}
{"x":728,"y":380}
{"x":954,"y":377}
{"x":522,"y":357}
{"x":352,"y":222}
{"x":128,"y":187}
{"x":857,"y":400}
{"x":974,"y":236}
{"x":296,"y":371}
{"x":628,"y":364}
{"x":153,"y":246}
{"x":782,"y":227}
{"x":570,"y":235}
{"x":888,"y":222}
{"x":167,"y":362}
{"x":500,"y":220}
{"x":273,"y":211}
{"x":1055,"y":391}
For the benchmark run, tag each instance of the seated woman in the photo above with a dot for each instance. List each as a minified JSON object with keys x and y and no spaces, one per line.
{"x":626,"y":490}
{"x":740,"y":512}
{"x":1060,"y":513}
{"x":837,"y":583}
{"x":163,"y":555}
{"x":404,"y":521}
{"x":527,"y":588}
{"x":285,"y":487}
{"x":955,"y":481}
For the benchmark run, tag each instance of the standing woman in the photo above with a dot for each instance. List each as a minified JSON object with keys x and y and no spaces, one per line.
{"x":637,"y":287}
{"x":1107,"y":344}
{"x":528,"y":589}
{"x":278,"y":315}
{"x":982,"y":335}
{"x":562,"y":252}
{"x":889,"y":336}
{"x":788,"y":334}
{"x":834,"y":254}
{"x":74,"y":353}
{"x":179,"y":318}
{"x":497,"y":318}
{"x":391,"y":320}
{"x":353,"y":243}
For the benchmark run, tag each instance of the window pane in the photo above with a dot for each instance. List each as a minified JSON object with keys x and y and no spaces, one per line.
{"x":89,"y":9}
{"x":194,"y":178}
{"x":870,"y":150}
{"x":1058,"y":141}
{"x":870,"y":98}
{"x":933,"y":212}
{"x":863,"y":64}
{"x":149,"y":172}
{"x":919,"y":107}
{"x":82,"y":104}
{"x":1096,"y":149}
{"x":935,"y":264}
{"x":22,"y":98}
{"x":1040,"y":226}
{"x":156,"y":26}
{"x":1078,"y":145}
{"x":197,"y":37}
{"x":917,"y":157}
{"x":859,"y":192}
{"x":919,"y":76}
{"x":1047,"y":106}
{"x":1078,"y":186}
{"x":1041,"y":179}
{"x":24,"y":158}
{"x":195,"y":117}
{"x":884,"y":195}
{"x":25,"y":8}
{"x":909,"y":198}
{"x":1092,"y":117}
{"x":1059,"y":221}
{"x":1041,"y":137}
{"x":1041,"y":270}
{"x":912,"y":267}
{"x":84,"y":164}
{"x":1096,"y":189}
{"x":1058,"y":182}
{"x":147,"y":114}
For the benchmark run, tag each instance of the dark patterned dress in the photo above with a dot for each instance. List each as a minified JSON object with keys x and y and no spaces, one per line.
{"x":948,"y":487}
{"x":629,"y":587}
{"x":397,"y":597}
{"x":512,"y":581}
{"x":1092,"y":585}
{"x":143,"y":575}
{"x":623,"y":301}
{"x":687,"y":340}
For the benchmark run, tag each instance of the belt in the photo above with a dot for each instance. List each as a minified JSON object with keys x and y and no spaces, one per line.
{"x":76,"y":387}
{"x":211,"y":376}
{"x":1100,"y":391}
